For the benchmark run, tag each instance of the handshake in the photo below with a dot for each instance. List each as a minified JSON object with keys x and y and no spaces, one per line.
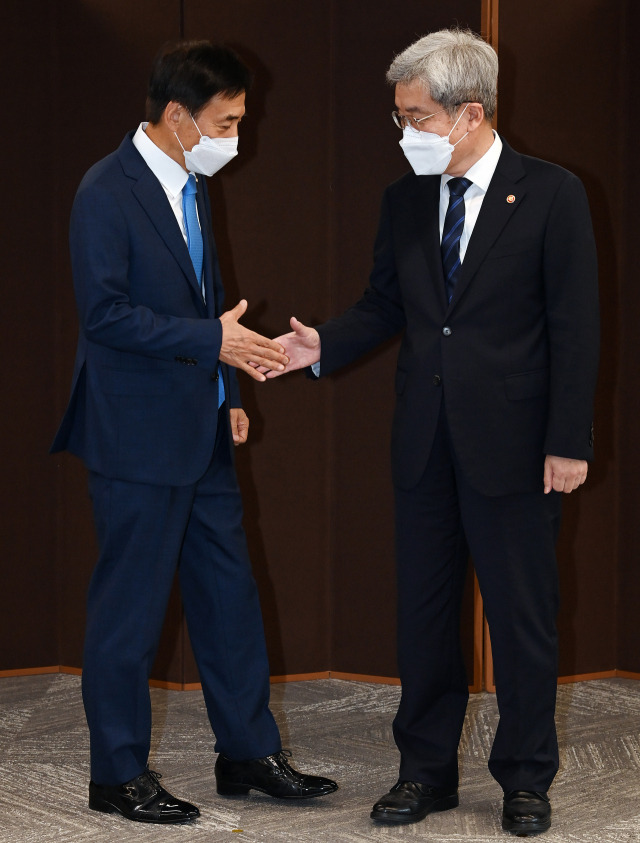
{"x":263,"y":358}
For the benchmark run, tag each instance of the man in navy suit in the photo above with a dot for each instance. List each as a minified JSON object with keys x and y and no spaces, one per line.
{"x":485,"y":260}
{"x":153,"y":413}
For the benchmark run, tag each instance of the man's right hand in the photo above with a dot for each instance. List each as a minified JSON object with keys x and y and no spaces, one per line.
{"x":302,"y":346}
{"x":240,"y":346}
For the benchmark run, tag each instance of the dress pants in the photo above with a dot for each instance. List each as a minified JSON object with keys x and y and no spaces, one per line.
{"x":145,"y":533}
{"x":511,"y":540}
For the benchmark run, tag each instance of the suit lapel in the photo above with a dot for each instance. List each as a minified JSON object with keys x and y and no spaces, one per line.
{"x":148,"y":191}
{"x":501,"y":201}
{"x":150,"y":194}
{"x":426,"y":207}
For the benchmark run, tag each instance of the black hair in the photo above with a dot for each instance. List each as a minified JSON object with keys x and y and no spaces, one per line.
{"x":191,"y":73}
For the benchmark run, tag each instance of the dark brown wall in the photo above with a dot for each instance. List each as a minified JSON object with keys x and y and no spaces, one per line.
{"x":560,"y":99}
{"x":295,"y":217}
{"x":367,"y":158}
{"x":626,"y":377}
{"x":28,"y":616}
{"x":102,"y":52}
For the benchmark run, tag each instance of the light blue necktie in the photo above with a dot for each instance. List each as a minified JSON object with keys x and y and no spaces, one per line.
{"x":192,"y":228}
{"x":196,"y":248}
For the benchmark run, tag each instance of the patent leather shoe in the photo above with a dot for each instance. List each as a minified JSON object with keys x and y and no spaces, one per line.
{"x":408,"y":802}
{"x":272,"y":775}
{"x":142,"y":799}
{"x":526,"y":812}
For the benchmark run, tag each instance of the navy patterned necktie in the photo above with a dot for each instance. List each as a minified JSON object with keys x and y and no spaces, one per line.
{"x":453,"y":225}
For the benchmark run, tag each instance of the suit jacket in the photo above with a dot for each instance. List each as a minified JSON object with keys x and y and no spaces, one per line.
{"x":143,"y":404}
{"x":514,"y":355}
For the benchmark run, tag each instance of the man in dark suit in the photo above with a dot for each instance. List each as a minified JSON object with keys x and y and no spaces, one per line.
{"x":154,"y":411}
{"x":485,"y":259}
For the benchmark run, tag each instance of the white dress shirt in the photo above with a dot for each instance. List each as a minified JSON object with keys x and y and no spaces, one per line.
{"x":169,"y":173}
{"x":480,"y":174}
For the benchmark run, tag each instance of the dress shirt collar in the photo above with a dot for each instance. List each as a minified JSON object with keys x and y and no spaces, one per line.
{"x":169,"y":173}
{"x":482,"y":171}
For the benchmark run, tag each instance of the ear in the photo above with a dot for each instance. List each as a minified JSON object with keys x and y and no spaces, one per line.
{"x":173,"y":115}
{"x":475,"y":113}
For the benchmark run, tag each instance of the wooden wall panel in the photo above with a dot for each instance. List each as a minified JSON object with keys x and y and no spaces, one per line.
{"x":102,"y":51}
{"x":271,"y":214}
{"x":367,"y":158}
{"x":559,"y":99}
{"x":28,"y":617}
{"x":628,"y":394}
{"x":295,"y":217}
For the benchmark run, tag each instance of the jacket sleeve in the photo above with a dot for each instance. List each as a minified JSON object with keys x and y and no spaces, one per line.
{"x":571,"y":296}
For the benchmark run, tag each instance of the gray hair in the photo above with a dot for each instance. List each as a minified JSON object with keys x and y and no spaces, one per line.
{"x":454,"y":66}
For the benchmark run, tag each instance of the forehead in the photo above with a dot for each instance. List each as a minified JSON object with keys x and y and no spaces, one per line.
{"x":413,"y":98}
{"x":220,"y":108}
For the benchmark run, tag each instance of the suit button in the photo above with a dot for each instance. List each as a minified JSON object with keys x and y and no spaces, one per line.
{"x":214,"y":375}
{"x":446,"y":331}
{"x":437,"y":380}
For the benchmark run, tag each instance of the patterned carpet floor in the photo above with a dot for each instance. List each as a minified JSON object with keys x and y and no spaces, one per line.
{"x":337,"y":728}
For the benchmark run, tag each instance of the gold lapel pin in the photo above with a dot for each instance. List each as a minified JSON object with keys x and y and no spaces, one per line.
{"x":511,"y":198}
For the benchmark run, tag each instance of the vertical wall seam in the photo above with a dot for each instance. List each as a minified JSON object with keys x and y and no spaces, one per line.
{"x":331,"y":280}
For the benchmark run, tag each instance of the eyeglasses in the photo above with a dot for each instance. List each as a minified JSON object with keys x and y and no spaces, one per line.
{"x":404,"y":120}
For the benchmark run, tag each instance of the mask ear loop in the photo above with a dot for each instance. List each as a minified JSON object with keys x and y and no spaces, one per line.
{"x":199,"y":132}
{"x":455,"y":124}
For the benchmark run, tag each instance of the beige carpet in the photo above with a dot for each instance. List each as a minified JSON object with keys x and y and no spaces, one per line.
{"x":341,"y":729}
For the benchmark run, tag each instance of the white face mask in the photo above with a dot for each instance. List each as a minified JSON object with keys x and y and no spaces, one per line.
{"x":429,"y":154}
{"x":210,"y":154}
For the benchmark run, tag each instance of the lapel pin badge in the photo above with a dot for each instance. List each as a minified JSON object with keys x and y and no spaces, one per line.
{"x":511,"y":198}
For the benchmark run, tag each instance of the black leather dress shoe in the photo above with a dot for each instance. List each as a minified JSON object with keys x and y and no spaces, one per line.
{"x":526,"y":812}
{"x":272,"y":775}
{"x":408,"y":802}
{"x":142,"y":799}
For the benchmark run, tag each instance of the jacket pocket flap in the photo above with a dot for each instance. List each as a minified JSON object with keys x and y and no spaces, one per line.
{"x":527,"y":385}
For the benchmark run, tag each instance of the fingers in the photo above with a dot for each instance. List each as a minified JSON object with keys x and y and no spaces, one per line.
{"x":265,"y":348}
{"x":271,"y":357}
{"x":250,"y":369}
{"x":564,"y":474}
{"x":239,"y":425}
{"x":239,"y":310}
{"x":570,"y":484}
{"x":241,"y":347}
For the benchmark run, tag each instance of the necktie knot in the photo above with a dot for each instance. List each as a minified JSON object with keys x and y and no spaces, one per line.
{"x":191,"y":186}
{"x":458,"y":186}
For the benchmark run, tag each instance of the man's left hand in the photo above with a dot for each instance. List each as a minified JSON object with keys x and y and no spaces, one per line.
{"x":239,"y":425}
{"x":563,"y":474}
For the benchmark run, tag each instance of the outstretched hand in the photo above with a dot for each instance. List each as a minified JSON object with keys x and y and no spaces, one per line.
{"x":302,"y":347}
{"x":242,"y":348}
